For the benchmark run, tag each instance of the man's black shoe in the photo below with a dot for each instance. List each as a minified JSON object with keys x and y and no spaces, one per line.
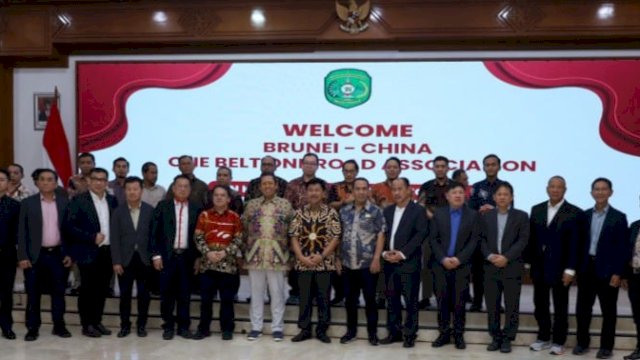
{"x":604,"y":354}
{"x":9,"y":334}
{"x":91,"y":331}
{"x":495,"y":344}
{"x":373,"y":340}
{"x":442,"y":340}
{"x":199,"y":335}
{"x":142,"y":332}
{"x":324,"y":338}
{"x":390,"y":339}
{"x":103,"y":330}
{"x":635,"y":355}
{"x":167,"y":334}
{"x":506,"y":346}
{"x":124,"y":332}
{"x":347,"y":338}
{"x":32,"y":335}
{"x":459,"y":341}
{"x":475,"y":308}
{"x":580,"y":350}
{"x":61,"y":332}
{"x":302,"y":336}
{"x":409,"y":342}
{"x":185,"y":333}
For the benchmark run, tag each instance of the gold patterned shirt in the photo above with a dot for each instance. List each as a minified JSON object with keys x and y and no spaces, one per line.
{"x":314,"y":230}
{"x":265,"y":224}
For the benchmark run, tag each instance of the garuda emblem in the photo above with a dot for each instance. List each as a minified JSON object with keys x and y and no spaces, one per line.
{"x":353,"y":16}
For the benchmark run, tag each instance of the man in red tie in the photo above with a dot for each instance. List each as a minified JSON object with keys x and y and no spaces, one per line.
{"x":173,"y":254}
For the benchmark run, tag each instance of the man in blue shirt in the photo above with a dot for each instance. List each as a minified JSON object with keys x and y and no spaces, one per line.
{"x":455,"y":233}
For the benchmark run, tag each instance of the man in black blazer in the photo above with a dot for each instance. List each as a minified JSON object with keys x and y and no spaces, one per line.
{"x":130,"y":237}
{"x":507,"y":234}
{"x":9,"y":212}
{"x":174,"y":252}
{"x":633,"y":281}
{"x":603,"y":263}
{"x":556,"y":231}
{"x":87,"y":225}
{"x":406,"y":231}
{"x":42,"y":253}
{"x":456,"y":231}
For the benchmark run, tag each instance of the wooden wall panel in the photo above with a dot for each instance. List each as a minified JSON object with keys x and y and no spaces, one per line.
{"x":25,"y":31}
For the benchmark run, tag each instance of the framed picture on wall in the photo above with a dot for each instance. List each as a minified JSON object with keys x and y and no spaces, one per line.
{"x":41,"y":109}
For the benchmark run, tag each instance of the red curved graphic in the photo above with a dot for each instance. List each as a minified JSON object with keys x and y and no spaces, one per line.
{"x":103,"y":90}
{"x":616,"y":82}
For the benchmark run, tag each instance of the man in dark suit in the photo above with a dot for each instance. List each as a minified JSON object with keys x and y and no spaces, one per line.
{"x":603,"y":263}
{"x":456,"y":231}
{"x":9,"y":211}
{"x":406,"y":231}
{"x":552,"y":252}
{"x":633,"y":281}
{"x":130,"y":237}
{"x":87,"y":225}
{"x":174,"y":252}
{"x":507,"y":234}
{"x":42,"y":253}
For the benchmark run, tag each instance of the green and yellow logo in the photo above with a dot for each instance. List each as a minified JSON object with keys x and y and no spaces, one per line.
{"x":347,"y":88}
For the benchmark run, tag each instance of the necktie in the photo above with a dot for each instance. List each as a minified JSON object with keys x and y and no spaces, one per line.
{"x":180,"y":225}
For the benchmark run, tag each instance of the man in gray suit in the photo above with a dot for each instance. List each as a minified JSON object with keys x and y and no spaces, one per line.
{"x":42,"y":253}
{"x":130,"y":236}
{"x":502,"y":248}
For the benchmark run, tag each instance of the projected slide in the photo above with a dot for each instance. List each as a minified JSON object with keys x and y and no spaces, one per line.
{"x":578,"y":119}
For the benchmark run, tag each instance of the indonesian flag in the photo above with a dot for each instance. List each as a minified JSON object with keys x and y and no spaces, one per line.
{"x":56,"y":144}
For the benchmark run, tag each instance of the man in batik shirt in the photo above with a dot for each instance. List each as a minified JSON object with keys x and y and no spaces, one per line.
{"x":218,"y":236}
{"x":363,"y":227}
{"x":314,"y":232}
{"x":266,"y":221}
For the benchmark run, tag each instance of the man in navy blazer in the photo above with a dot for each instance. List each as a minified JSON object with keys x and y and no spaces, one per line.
{"x":42,"y":253}
{"x":507,"y":235}
{"x":556,"y":231}
{"x":87,"y":227}
{"x":130,"y":237}
{"x":9,"y":213}
{"x":456,"y":231}
{"x":406,"y":231}
{"x":173,"y":253}
{"x":603,"y":263}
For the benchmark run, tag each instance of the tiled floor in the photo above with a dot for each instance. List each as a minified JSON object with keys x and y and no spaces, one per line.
{"x":48,"y":347}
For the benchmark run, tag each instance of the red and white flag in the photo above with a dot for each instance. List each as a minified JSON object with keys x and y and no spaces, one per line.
{"x":56,"y":144}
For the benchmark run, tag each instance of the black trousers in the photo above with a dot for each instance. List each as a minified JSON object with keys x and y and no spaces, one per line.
{"x":139,"y":272}
{"x":175,"y":288}
{"x":337,"y":283}
{"x":477,"y":276}
{"x":354,"y":281}
{"x":292,"y":279}
{"x":94,"y":287}
{"x":590,"y":286}
{"x":451,"y":288}
{"x":498,"y":285}
{"x":8,"y":261}
{"x":407,"y":285}
{"x":212,"y":282}
{"x":47,"y":275}
{"x":560,"y":293}
{"x":634,"y":299}
{"x":316,"y":283}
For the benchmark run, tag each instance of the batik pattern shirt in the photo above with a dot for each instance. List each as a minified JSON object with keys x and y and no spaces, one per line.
{"x":360,"y":230}
{"x":314,"y":230}
{"x":266,"y":224}
{"x":215,"y":232}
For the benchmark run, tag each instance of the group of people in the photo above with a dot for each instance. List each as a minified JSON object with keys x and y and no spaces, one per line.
{"x":379,"y":240}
